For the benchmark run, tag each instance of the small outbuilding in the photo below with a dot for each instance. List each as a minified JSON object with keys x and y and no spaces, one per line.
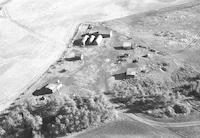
{"x":127,"y":45}
{"x":131,"y":71}
{"x":108,"y":35}
{"x":74,"y":56}
{"x":55,"y":87}
{"x":111,"y":34}
{"x":49,"y":89}
{"x":79,"y":56}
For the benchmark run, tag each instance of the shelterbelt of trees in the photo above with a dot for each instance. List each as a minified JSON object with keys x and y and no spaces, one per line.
{"x":55,"y":116}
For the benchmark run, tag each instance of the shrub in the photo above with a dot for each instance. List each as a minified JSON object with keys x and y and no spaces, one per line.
{"x":178,"y":109}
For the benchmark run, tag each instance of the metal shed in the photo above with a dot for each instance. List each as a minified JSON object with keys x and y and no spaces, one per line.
{"x":131,"y":71}
{"x":127,"y":45}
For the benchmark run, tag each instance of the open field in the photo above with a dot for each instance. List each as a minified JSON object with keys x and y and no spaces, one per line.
{"x":191,"y":132}
{"x":22,"y":59}
{"x":127,"y":129}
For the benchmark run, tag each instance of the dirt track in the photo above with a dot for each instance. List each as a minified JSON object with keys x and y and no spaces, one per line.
{"x":162,"y":124}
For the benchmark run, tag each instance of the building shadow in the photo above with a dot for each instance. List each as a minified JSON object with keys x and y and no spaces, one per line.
{"x":141,"y":106}
{"x":122,"y":76}
{"x":77,"y":42}
{"x":72,"y":59}
{"x":119,"y":48}
{"x":122,"y":48}
{"x":42,"y":91}
{"x":105,"y":35}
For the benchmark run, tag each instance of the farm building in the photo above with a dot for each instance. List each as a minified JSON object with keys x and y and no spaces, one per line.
{"x":111,"y":34}
{"x":91,"y":40}
{"x":108,"y":35}
{"x":74,"y":56}
{"x":99,"y":40}
{"x":85,"y":38}
{"x":54,"y":87}
{"x":49,"y":89}
{"x":127,"y":45}
{"x":79,"y":56}
{"x":131,"y":72}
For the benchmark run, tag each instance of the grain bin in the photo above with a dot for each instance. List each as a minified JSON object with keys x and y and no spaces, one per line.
{"x":85,"y":38}
{"x":99,"y":39}
{"x":91,"y":40}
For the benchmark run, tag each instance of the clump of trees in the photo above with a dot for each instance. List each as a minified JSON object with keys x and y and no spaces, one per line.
{"x":189,"y":87}
{"x":56,"y":115}
{"x":184,"y":74}
{"x":20,"y":123}
{"x":143,"y":95}
{"x":144,"y":88}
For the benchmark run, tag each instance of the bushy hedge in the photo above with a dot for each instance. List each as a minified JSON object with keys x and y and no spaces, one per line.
{"x":56,"y":115}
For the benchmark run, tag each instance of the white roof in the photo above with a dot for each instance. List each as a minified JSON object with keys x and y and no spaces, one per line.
{"x":127,"y":44}
{"x":131,"y":71}
{"x":99,"y":39}
{"x":52,"y":86}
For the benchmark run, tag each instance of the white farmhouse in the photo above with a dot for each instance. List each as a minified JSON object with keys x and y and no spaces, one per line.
{"x":55,"y":87}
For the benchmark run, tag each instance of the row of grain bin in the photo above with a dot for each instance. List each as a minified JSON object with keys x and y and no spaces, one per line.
{"x":94,"y":39}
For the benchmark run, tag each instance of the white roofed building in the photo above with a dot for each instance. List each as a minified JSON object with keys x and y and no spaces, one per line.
{"x":131,"y":72}
{"x":55,"y":87}
{"x":127,"y":45}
